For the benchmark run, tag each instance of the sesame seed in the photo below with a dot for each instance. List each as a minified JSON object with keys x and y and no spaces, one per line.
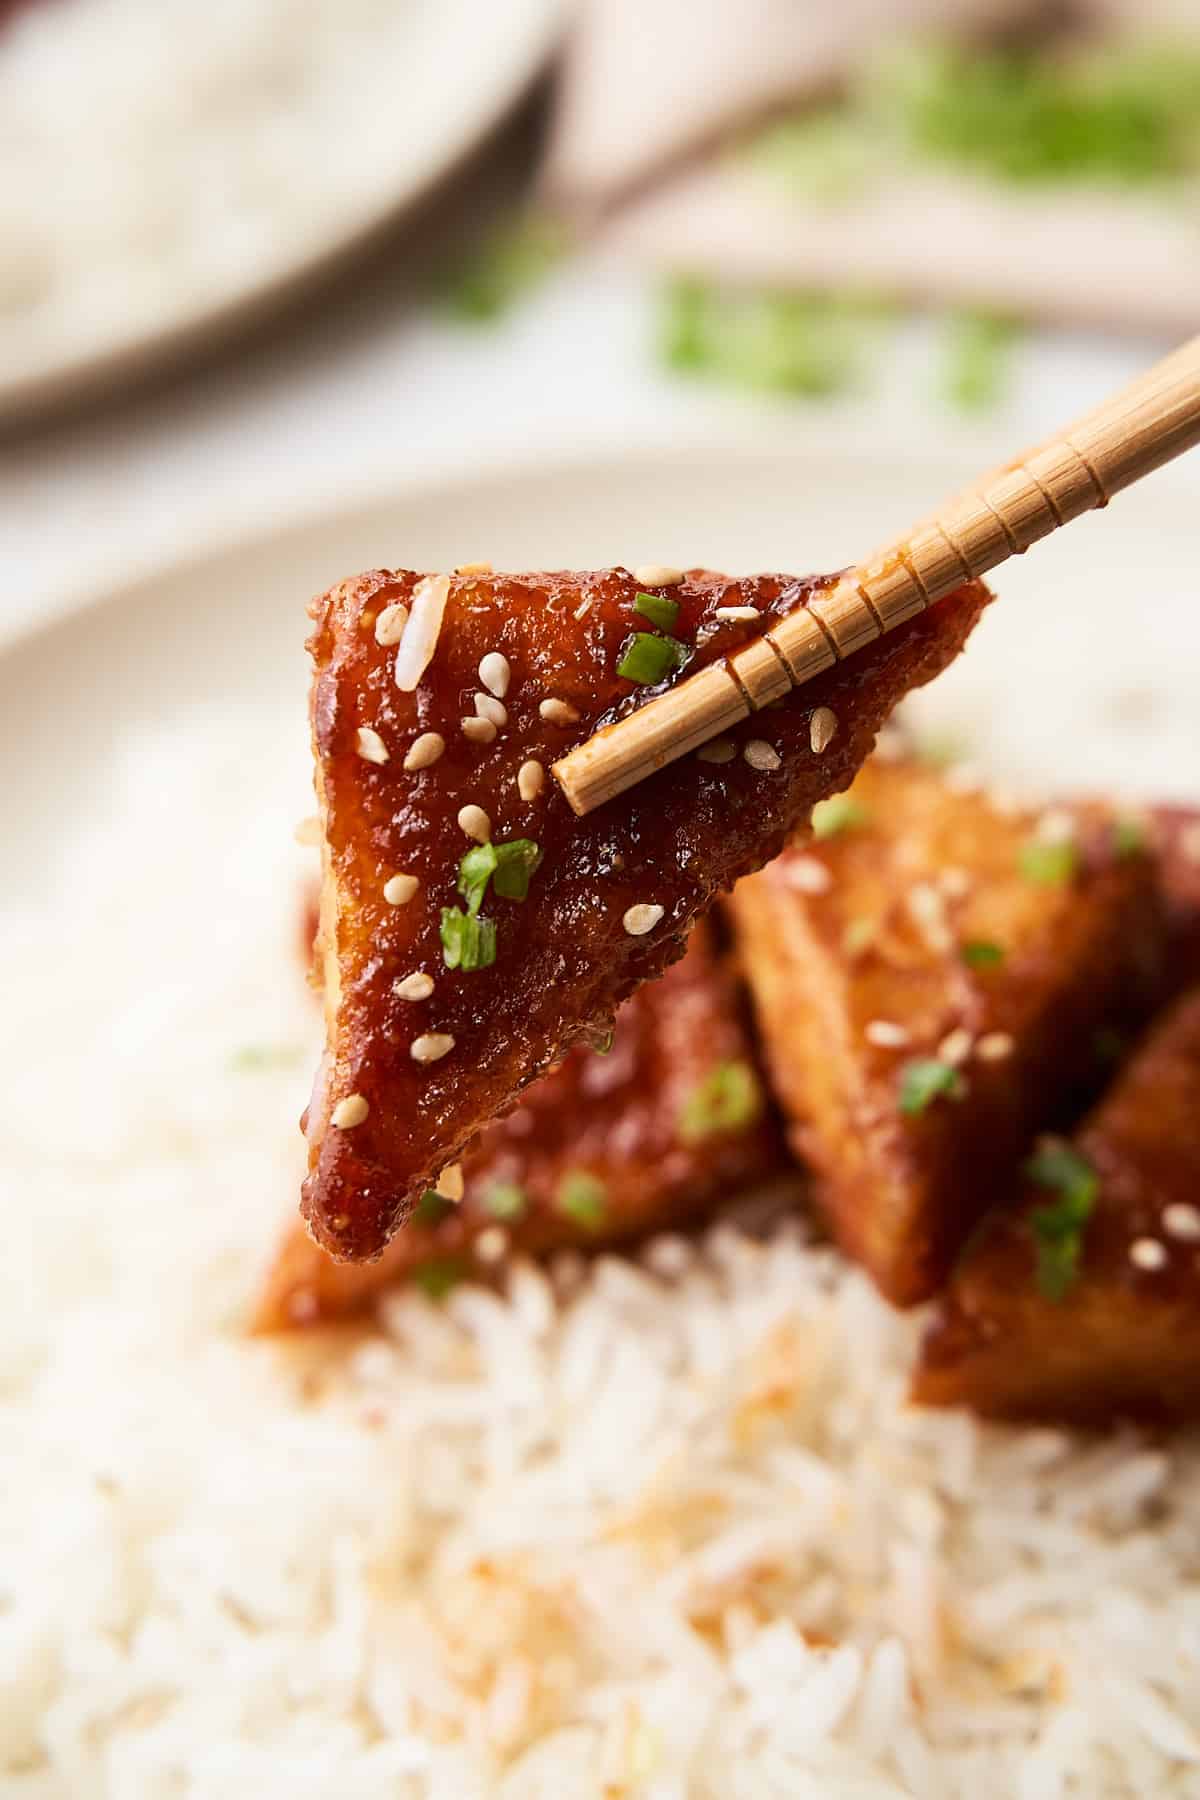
{"x":585,"y":606}
{"x":424,"y":751}
{"x":886,"y":1034}
{"x":431,"y":1046}
{"x":492,"y":1245}
{"x":480,"y":731}
{"x":761,"y":755}
{"x":721,"y":750}
{"x":398,"y":890}
{"x":821,"y":729}
{"x":1189,"y":842}
{"x":308,"y":831}
{"x":559,"y":712}
{"x":416,"y":648}
{"x":495,"y":673}
{"x":1148,"y":1253}
{"x":475,"y":822}
{"x":369,"y":745}
{"x":389,"y":626}
{"x":349,"y":1112}
{"x":743,"y":614}
{"x":450,"y":1184}
{"x":479,"y":568}
{"x":807,"y":874}
{"x":994,"y":1046}
{"x":955,"y":1047}
{"x":928,"y":909}
{"x":1055,"y":826}
{"x":955,"y":883}
{"x":488,"y":708}
{"x":638,"y":920}
{"x":657,"y":575}
{"x":531,"y":779}
{"x":1182,"y":1221}
{"x":413,"y":987}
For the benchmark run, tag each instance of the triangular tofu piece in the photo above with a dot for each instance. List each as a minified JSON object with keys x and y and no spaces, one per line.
{"x":604,"y":1149}
{"x":448,"y":985}
{"x":1082,"y":1304}
{"x":936,"y":978}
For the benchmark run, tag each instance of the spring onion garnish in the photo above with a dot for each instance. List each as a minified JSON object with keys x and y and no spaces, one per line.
{"x":432,"y":1208}
{"x":439,"y":1275}
{"x":1128,"y":837}
{"x":1058,"y":1228}
{"x":841,"y":813}
{"x":1053,"y":865}
{"x":648,"y":659}
{"x":660,"y":612}
{"x":924,"y":1079}
{"x":505,"y":1200}
{"x":467,"y":942}
{"x":474,"y":872}
{"x":979,"y":953}
{"x":977,"y":356}
{"x":583,"y":1198}
{"x":728,"y":1099}
{"x":516,"y":861}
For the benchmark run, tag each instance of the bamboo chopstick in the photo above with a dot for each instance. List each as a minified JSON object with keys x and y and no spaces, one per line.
{"x":1144,"y":425}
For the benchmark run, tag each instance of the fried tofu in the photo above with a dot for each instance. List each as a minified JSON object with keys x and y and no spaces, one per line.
{"x":936,"y":979}
{"x":1081,"y":1303}
{"x":651,"y":1134}
{"x":438,"y":706}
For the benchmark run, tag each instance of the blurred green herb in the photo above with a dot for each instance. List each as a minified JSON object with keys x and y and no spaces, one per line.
{"x":977,"y":360}
{"x":923,"y":1080}
{"x":505,"y":1200}
{"x":830,"y":818}
{"x":432,"y":1208}
{"x":727,"y":1099}
{"x":509,"y":264}
{"x":437,"y":1276}
{"x":824,"y":157}
{"x":583,"y":1198}
{"x":1058,"y":1227}
{"x":767,"y":341}
{"x":1128,"y":836}
{"x":978,"y":953}
{"x":1053,"y":865}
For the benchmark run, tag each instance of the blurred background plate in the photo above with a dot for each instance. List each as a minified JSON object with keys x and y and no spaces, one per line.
{"x":1081,"y":677}
{"x":207,"y":166}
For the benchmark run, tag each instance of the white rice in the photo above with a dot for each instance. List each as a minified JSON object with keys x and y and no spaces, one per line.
{"x":664,"y":1530}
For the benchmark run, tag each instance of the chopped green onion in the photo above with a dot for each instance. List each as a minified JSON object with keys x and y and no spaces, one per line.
{"x":648,"y":659}
{"x":978,"y":347}
{"x":979,"y":953}
{"x":769,"y":341}
{"x":474,"y":872}
{"x":728,"y":1099}
{"x":439,"y":1275}
{"x":842,"y":813}
{"x":516,"y":861}
{"x":432,"y":1208}
{"x":1128,"y":836}
{"x":513,"y":261}
{"x":924,"y":1079}
{"x":1058,"y":1228}
{"x":660,"y":611}
{"x":583,"y":1198}
{"x":467,"y":942}
{"x":505,"y":1200}
{"x":602,"y":1045}
{"x":1051,"y":864}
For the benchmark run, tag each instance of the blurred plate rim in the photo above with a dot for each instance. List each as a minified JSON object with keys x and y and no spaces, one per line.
{"x":500,"y":65}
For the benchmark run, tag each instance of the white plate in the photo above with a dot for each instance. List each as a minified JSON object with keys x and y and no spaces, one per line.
{"x":463,"y":66}
{"x":1085,"y":674}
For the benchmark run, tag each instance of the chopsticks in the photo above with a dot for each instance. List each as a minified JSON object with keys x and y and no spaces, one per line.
{"x":1134,"y":431}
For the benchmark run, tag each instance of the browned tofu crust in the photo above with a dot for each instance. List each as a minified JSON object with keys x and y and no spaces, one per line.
{"x":937,"y":927}
{"x":419,"y":1078}
{"x":1124,"y":1339}
{"x":653,"y":1133}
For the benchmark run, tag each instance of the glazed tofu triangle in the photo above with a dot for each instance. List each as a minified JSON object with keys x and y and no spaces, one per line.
{"x":472,"y":927}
